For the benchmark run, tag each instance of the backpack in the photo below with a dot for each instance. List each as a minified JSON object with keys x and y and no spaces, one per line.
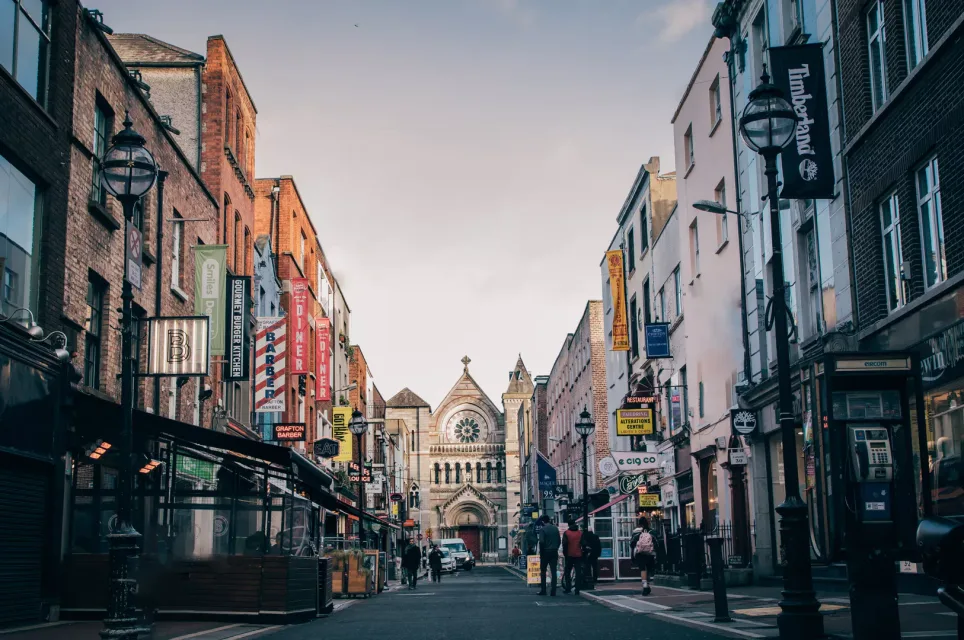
{"x":644,"y":544}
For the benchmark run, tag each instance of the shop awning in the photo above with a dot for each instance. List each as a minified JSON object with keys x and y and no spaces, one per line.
{"x":608,"y":505}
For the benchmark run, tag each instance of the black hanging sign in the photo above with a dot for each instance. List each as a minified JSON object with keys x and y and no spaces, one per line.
{"x":238,"y":337}
{"x":808,"y":160}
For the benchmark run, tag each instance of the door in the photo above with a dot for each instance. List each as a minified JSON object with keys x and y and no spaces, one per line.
{"x":473,"y":541}
{"x":23,"y":500}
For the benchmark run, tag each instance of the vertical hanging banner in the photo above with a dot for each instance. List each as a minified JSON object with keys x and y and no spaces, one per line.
{"x":298,"y":316}
{"x":339,"y":429}
{"x":808,"y":160}
{"x":238,"y":339}
{"x":322,"y":359}
{"x":209,"y":297}
{"x":269,"y":365}
{"x":620,"y":325}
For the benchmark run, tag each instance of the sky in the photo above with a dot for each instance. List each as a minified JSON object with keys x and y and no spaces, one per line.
{"x":463,"y":161}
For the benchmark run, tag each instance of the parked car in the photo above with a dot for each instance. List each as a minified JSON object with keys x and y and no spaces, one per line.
{"x":463,"y":557}
{"x":448,"y":561}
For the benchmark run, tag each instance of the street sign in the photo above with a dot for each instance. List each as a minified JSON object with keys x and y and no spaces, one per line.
{"x":657,"y":340}
{"x":744,"y":422}
{"x":629,"y":484}
{"x":396,"y":497}
{"x":738,"y":457}
{"x":632,"y":461}
{"x":134,"y":252}
{"x":327,"y":448}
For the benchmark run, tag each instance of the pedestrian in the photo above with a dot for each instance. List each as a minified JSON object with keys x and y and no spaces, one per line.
{"x":435,"y":563}
{"x":572,"y":553}
{"x":549,"y":541}
{"x":644,"y":552}
{"x":412,"y":562}
{"x":591,"y":550}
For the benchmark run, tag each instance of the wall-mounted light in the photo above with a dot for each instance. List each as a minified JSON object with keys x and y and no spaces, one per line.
{"x":149,"y":466}
{"x":99,"y":448}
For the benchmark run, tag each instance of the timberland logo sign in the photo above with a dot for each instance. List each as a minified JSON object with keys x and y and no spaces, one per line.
{"x":808,"y":163}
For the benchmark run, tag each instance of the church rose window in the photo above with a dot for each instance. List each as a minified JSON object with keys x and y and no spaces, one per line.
{"x":467,"y":430}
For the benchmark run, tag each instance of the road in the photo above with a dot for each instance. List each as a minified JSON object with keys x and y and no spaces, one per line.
{"x":488,"y":603}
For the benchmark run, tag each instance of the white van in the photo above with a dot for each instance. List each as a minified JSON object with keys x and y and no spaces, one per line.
{"x":463,"y":556}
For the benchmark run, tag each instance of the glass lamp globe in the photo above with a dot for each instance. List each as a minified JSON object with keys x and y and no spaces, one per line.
{"x":128,"y":168}
{"x":357,"y":425}
{"x":768,"y":123}
{"x":585,"y":426}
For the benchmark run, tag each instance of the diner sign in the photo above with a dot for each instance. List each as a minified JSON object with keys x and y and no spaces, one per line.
{"x":299,"y":326}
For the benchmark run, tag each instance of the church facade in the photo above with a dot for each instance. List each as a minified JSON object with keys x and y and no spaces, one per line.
{"x":463,"y":462}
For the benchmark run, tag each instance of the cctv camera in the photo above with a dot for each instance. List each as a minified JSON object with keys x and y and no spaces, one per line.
{"x":206,"y":392}
{"x":941,"y":543}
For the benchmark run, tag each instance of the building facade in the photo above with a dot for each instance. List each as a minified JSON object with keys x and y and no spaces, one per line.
{"x":516,"y":403}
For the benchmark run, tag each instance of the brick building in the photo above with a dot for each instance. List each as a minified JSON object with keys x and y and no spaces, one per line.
{"x":206,"y":104}
{"x":902,"y":69}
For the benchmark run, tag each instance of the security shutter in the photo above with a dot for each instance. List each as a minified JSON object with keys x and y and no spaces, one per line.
{"x":23,"y":499}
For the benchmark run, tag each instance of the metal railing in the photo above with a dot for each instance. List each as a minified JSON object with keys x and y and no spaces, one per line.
{"x":677,"y":553}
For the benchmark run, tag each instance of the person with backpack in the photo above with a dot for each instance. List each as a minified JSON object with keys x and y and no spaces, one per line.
{"x":591,"y":550}
{"x":572,"y":553}
{"x":644,"y":552}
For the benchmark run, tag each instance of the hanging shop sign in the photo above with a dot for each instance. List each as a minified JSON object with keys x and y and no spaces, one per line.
{"x":632,"y":461}
{"x":238,"y":336}
{"x":269,"y":365}
{"x":744,"y":422}
{"x":356,"y":473}
{"x":340,"y":416}
{"x":656,"y":337}
{"x":607,"y":467}
{"x":808,"y":160}
{"x":327,"y":448}
{"x":547,"y":477}
{"x":648,"y":500}
{"x":135,"y":250}
{"x":738,"y":457}
{"x":209,"y":296}
{"x":298,"y":326}
{"x":396,"y":497}
{"x":634,"y":422}
{"x":614,"y":260}
{"x":178,"y":346}
{"x":629,"y":484}
{"x":289,"y":431}
{"x":322,"y":359}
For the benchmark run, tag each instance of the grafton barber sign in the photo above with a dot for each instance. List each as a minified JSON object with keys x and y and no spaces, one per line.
{"x":808,"y":163}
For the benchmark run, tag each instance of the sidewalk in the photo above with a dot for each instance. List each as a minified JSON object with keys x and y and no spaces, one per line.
{"x":754,"y":610}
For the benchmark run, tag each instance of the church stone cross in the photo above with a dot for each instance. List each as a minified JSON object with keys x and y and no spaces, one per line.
{"x":465,"y":361}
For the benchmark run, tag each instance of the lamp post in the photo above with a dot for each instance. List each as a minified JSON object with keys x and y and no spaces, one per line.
{"x":128,"y":172}
{"x":584,"y":428}
{"x":768,"y":125}
{"x":358,"y":426}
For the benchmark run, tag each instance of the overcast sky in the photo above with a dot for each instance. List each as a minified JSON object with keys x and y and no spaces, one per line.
{"x":463,"y":161}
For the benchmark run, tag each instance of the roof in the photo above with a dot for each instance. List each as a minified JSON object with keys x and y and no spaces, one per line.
{"x":519,"y":379}
{"x":139,"y":49}
{"x":406,"y":398}
{"x":696,"y":73}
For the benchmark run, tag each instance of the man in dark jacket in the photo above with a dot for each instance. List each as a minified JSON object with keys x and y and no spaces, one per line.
{"x":591,"y":550}
{"x":412,"y":563}
{"x":549,"y":541}
{"x":435,"y":563}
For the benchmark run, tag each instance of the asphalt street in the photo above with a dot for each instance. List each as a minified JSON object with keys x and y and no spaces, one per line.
{"x":487,"y":603}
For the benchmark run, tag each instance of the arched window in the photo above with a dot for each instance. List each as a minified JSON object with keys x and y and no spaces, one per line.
{"x":478,"y":473}
{"x":458,"y":473}
{"x":413,"y":496}
{"x":488,"y":472}
{"x":448,"y":473}
{"x":438,"y":474}
{"x":236,"y":241}
{"x":468,"y":472}
{"x":498,"y":472}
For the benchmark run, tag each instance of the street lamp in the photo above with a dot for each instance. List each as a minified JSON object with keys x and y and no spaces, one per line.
{"x":358,"y":426}
{"x":768,"y":125}
{"x":584,"y":428}
{"x":128,"y":172}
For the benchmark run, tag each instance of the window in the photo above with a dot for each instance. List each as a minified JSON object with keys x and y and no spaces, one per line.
{"x":172,"y":400}
{"x":686,"y":399}
{"x":468,"y":472}
{"x":303,"y":240}
{"x":93,"y":327}
{"x":478,"y":473}
{"x":448,"y":473}
{"x":438,"y":473}
{"x":633,"y":328}
{"x":695,"y":248}
{"x":814,"y":301}
{"x":716,"y":104}
{"x":488,"y":472}
{"x":25,"y":39}
{"x":236,"y":241}
{"x":647,"y":312}
{"x":722,"y":221}
{"x":890,"y":233}
{"x":678,"y":287}
{"x":688,"y":149}
{"x":931,"y":224}
{"x":138,"y":217}
{"x":458,"y":473}
{"x":631,"y":244}
{"x":20,"y":216}
{"x":877,"y":43}
{"x":498,"y":472}
{"x":915,"y":27}
{"x":228,"y":109}
{"x":177,"y":253}
{"x":643,"y":231}
{"x":103,"y":128}
{"x":661,"y":304}
{"x":701,"y":399}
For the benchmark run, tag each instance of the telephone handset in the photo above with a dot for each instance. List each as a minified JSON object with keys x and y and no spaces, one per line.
{"x":862,"y":461}
{"x":871,"y":453}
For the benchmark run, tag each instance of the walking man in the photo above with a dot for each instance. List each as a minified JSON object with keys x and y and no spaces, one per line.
{"x":435,"y":563}
{"x":572,"y":552}
{"x":412,"y":563}
{"x":548,"y":553}
{"x":591,"y":550}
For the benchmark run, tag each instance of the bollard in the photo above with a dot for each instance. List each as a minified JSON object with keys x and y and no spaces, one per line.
{"x":719,"y":580}
{"x":693,"y":558}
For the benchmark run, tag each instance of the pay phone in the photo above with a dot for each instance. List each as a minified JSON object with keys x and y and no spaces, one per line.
{"x":872,"y":466}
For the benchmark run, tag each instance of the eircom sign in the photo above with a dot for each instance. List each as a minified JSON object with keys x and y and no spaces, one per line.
{"x":634,"y":422}
{"x":634,"y":461}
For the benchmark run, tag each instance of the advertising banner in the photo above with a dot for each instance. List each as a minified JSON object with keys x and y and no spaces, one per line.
{"x":807,"y":161}
{"x":340,"y":416}
{"x":239,"y":335}
{"x":299,"y":326}
{"x":634,"y":422}
{"x":322,"y":359}
{"x":614,"y":259}
{"x":269,"y":365}
{"x":533,"y":571}
{"x":209,"y":296}
{"x":547,"y":478}
{"x":177,"y":346}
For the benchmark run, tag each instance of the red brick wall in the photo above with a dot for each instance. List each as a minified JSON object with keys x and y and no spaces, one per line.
{"x":95,"y":247}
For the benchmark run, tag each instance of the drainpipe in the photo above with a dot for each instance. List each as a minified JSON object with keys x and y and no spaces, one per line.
{"x":159,"y":272}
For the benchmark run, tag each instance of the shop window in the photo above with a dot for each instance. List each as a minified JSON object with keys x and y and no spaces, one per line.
{"x":877,"y":46}
{"x":25,"y":29}
{"x":945,"y":415}
{"x":915,"y":29}
{"x":890,"y":235}
{"x":931,"y":223}
{"x":96,"y":289}
{"x":20,"y":229}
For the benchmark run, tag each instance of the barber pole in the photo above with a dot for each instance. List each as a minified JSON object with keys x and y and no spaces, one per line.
{"x":269,"y":360}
